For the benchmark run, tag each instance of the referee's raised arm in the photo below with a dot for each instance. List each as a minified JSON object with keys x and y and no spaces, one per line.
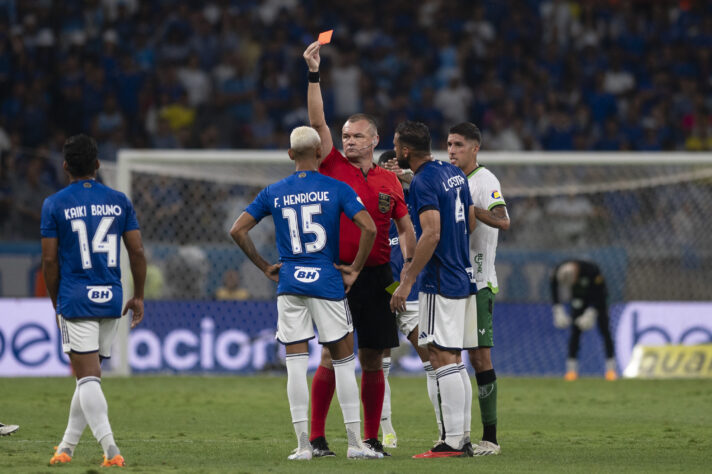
{"x":315,"y":103}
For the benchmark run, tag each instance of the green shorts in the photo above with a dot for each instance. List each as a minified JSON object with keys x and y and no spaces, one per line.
{"x":485,"y":307}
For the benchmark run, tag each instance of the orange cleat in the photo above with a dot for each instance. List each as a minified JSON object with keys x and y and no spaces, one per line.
{"x":571,"y":376}
{"x":60,"y":458}
{"x":117,"y":461}
{"x":442,"y":450}
{"x":611,"y":375}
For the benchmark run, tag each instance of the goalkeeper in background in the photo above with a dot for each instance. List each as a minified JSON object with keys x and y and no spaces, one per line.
{"x":581,"y":284}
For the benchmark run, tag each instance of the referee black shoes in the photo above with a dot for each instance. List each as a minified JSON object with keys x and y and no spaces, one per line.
{"x":320,"y":448}
{"x":376,"y":445}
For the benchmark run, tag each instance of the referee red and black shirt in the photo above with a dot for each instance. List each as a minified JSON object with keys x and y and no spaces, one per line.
{"x":382,"y":197}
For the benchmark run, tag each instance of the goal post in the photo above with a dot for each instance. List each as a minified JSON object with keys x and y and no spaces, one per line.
{"x":642,"y":216}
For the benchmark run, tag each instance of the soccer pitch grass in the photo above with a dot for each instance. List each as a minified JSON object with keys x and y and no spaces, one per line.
{"x":242,"y":424}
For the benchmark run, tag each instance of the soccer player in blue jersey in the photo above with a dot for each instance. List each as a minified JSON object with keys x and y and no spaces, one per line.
{"x":408,"y":325}
{"x":81,"y":227}
{"x":306,"y":208}
{"x":443,"y":216}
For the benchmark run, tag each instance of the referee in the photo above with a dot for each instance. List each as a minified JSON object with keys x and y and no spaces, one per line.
{"x":375,"y":324}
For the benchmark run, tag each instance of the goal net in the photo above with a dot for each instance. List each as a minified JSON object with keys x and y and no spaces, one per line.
{"x":642,"y":217}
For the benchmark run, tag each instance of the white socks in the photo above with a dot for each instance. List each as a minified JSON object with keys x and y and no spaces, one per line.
{"x":433,"y":393}
{"x":298,"y":395}
{"x":452,"y":401}
{"x":467,"y":385}
{"x":386,"y":424}
{"x":347,"y":393}
{"x":96,"y":411}
{"x":75,"y":425}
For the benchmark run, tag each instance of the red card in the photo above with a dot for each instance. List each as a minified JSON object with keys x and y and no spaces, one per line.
{"x":325,"y":36}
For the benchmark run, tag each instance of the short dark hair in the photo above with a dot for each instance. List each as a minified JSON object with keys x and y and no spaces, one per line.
{"x":368,"y":118}
{"x":468,"y":130}
{"x":80,"y":153}
{"x":414,"y":135}
{"x":386,"y":156}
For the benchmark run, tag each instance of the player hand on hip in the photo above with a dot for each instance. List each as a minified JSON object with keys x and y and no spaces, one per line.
{"x":136,"y":306}
{"x":348,"y":274}
{"x":311,"y":56}
{"x":272,"y":272}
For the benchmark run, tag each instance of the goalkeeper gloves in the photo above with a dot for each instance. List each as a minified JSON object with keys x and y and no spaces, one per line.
{"x":561,"y":319}
{"x":587,"y":319}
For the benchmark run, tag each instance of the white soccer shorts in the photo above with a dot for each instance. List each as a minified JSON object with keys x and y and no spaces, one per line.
{"x":447,"y":323}
{"x":408,"y":319}
{"x":297,"y":315}
{"x":83,"y":336}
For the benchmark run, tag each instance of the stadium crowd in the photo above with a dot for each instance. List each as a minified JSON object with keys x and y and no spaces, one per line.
{"x":533,"y":74}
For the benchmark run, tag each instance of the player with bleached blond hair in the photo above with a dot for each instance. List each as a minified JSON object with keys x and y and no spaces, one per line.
{"x":306,"y":208}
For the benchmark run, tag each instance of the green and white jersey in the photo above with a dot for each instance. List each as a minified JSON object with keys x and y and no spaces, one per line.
{"x":486,"y":194}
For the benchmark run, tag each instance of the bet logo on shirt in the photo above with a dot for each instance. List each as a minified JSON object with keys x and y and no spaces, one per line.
{"x":100,"y":294}
{"x":307,"y":274}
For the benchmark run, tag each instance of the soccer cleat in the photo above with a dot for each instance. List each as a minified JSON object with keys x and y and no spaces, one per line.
{"x":442,"y":450}
{"x":320,"y":448}
{"x":363,"y":452}
{"x":116,"y":461}
{"x":611,"y":375}
{"x":487,"y":448}
{"x":570,"y":376}
{"x":60,"y":458}
{"x":390,"y":440}
{"x":468,"y":448}
{"x":6,"y":430}
{"x":376,"y":445}
{"x":301,"y":454}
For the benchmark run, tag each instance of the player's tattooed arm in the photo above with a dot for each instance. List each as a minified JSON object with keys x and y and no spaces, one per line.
{"x":496,"y":217}
{"x":424,"y":249}
{"x":50,"y":267}
{"x":404,"y":176}
{"x":240,"y":234}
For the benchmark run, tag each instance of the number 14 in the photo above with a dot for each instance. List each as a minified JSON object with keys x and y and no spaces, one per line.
{"x":103,"y":242}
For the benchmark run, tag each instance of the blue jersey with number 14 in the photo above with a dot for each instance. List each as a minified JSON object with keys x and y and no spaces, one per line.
{"x":88,"y":220}
{"x":306,"y":208}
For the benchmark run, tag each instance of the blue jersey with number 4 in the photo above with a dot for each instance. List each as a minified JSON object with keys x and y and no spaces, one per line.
{"x":88,"y":220}
{"x":443,"y":187}
{"x":306,"y":208}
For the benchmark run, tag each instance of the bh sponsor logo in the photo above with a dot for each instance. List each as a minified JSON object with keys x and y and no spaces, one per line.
{"x":662,"y":323}
{"x":307,"y":274}
{"x":100,"y":294}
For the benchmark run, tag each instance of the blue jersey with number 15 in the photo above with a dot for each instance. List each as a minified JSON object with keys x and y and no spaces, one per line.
{"x":306,"y":208}
{"x":88,"y":220}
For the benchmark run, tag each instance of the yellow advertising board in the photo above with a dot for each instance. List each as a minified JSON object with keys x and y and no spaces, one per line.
{"x":670,"y":361}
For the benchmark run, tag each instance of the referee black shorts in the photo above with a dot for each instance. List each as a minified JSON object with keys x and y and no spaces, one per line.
{"x":369,"y":302}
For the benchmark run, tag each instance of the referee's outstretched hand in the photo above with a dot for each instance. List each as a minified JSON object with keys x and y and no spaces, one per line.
{"x":348,"y":274}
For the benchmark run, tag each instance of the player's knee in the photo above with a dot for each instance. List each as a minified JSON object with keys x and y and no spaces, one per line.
{"x":371,"y":359}
{"x":326,"y":358}
{"x":480,"y":360}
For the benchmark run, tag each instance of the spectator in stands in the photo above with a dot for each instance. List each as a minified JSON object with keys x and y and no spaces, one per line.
{"x":231,"y":288}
